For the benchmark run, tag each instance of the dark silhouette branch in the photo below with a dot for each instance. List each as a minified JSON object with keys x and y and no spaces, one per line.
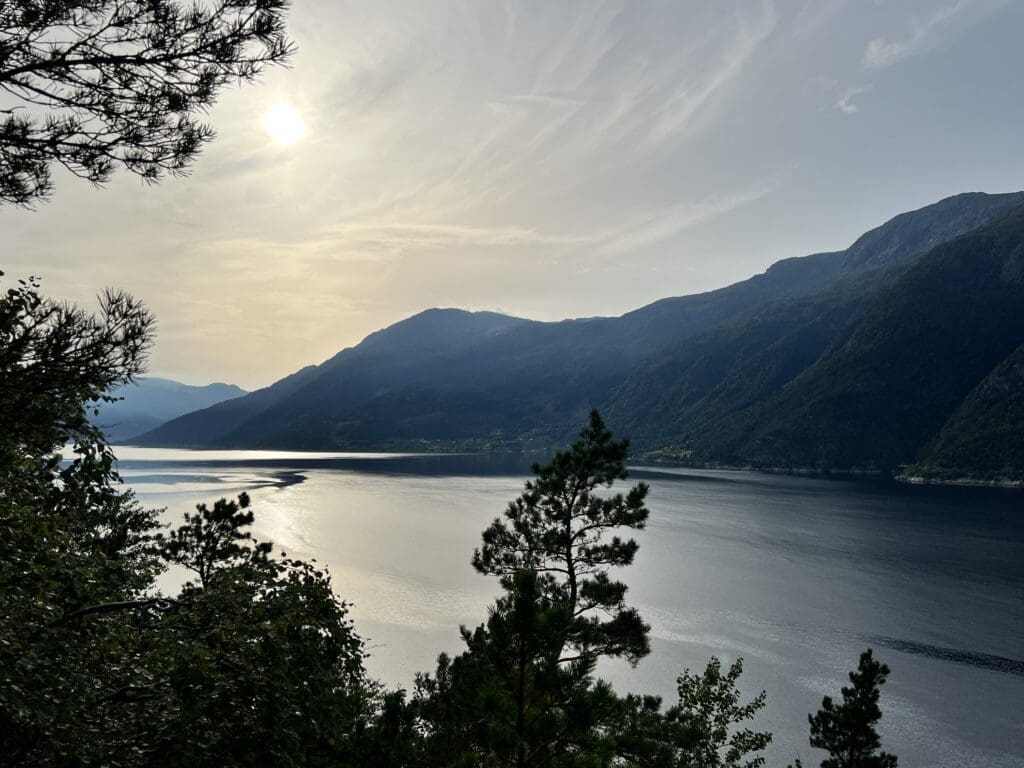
{"x":122,"y":83}
{"x":160,"y":603}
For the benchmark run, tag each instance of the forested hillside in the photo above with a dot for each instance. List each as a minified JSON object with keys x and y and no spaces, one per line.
{"x":984,"y":438}
{"x":892,"y":379}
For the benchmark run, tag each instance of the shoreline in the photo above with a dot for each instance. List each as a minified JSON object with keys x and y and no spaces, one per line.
{"x":652,"y":461}
{"x":901,"y":477}
{"x":966,"y":482}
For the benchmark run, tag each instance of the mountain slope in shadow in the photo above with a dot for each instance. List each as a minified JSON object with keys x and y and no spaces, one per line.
{"x":669,"y":373}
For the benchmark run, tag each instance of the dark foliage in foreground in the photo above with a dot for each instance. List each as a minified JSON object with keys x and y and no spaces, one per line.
{"x":255,"y":664}
{"x":107,"y":83}
{"x":562,"y":530}
{"x":523,"y":692}
{"x":847,"y":730}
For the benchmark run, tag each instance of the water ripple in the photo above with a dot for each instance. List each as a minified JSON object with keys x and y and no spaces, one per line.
{"x":956,"y":655}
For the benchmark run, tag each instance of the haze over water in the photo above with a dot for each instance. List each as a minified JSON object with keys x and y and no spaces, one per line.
{"x":795,"y":575}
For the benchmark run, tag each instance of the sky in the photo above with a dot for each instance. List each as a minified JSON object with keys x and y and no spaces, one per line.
{"x":548,"y":160}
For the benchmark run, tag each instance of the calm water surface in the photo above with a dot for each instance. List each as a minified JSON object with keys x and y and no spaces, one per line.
{"x":795,"y":575}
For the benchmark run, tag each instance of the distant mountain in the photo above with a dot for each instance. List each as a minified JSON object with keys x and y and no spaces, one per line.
{"x":708,"y":377}
{"x":889,"y":381}
{"x":151,"y":401}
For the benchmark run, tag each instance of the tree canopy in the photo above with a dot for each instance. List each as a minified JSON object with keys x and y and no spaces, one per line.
{"x":847,"y":730}
{"x":98,"y":84}
{"x":254,"y":664}
{"x":561,"y":528}
{"x":524,"y":692}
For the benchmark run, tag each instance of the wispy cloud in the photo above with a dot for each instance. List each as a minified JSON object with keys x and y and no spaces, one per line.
{"x":662,"y":224}
{"x":882,"y":52}
{"x":369,"y":240}
{"x":679,"y":108}
{"x":845,"y":103}
{"x":412,"y":236}
{"x":814,"y":15}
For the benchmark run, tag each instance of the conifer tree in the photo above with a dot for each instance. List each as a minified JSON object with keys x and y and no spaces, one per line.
{"x":508,"y":701}
{"x":559,"y":528}
{"x":216,"y":538}
{"x":75,"y":549}
{"x":96,"y":84}
{"x":523,"y":692}
{"x":847,"y":730}
{"x":257,"y":665}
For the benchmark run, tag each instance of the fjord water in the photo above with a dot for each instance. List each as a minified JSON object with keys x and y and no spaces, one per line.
{"x":795,"y":575}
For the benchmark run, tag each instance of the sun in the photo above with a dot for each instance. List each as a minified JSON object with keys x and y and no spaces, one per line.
{"x":284,"y":124}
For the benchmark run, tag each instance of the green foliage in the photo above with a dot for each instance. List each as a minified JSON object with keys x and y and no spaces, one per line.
{"x":70,"y":540}
{"x":213,"y":539}
{"x":121,"y":83}
{"x":523,"y":692}
{"x":847,"y":730}
{"x":391,"y":737}
{"x":55,"y":359}
{"x":891,"y":380}
{"x":256,"y":664}
{"x":982,"y":439}
{"x":557,"y":529}
{"x":702,"y":730}
{"x":709,"y":711}
{"x":262,"y":667}
{"x":509,"y":699}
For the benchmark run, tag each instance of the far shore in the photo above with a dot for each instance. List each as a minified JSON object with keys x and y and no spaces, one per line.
{"x":901,"y":477}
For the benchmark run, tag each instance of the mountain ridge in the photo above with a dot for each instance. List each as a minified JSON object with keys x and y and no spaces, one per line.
{"x":153,"y":400}
{"x":448,"y":378}
{"x":891,"y":380}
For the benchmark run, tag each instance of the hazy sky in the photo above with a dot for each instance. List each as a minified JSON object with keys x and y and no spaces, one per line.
{"x":547,"y":159}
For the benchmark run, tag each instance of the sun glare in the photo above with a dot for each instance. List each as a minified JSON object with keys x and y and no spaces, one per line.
{"x":284,"y":124}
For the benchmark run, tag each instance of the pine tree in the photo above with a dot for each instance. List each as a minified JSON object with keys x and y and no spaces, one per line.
{"x":508,"y":701}
{"x":96,"y":84}
{"x":213,"y":539}
{"x":558,"y":529}
{"x":847,"y":730}
{"x":523,"y":693}
{"x":258,"y":664}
